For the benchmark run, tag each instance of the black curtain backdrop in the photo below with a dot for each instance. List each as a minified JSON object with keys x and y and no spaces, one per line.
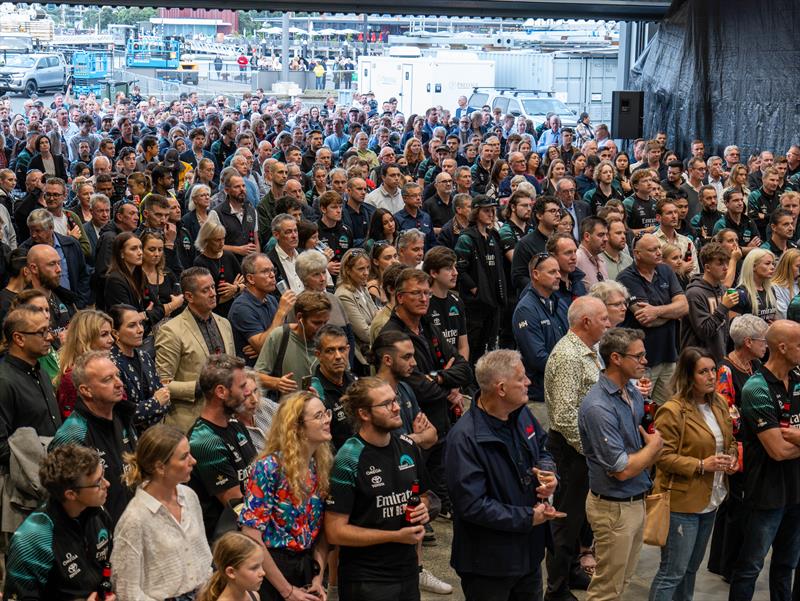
{"x":726,"y":72}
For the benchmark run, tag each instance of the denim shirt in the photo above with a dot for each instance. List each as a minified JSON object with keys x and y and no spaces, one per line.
{"x":609,"y":434}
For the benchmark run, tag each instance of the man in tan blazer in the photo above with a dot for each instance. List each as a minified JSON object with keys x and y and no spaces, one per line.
{"x":184,"y":342}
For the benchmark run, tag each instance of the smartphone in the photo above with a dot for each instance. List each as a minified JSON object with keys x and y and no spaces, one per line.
{"x":282,"y":286}
{"x":305,"y":383}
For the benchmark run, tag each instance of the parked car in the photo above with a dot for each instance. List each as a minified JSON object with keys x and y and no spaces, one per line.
{"x":33,"y":73}
{"x":532,"y":104}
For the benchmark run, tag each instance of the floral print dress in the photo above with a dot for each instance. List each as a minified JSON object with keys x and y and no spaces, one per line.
{"x":270,"y":508}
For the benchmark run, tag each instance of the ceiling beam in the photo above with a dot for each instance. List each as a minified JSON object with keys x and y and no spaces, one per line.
{"x":640,"y":10}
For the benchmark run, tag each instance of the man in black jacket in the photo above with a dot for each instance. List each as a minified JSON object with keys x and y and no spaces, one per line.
{"x":27,"y":395}
{"x":481,"y":277}
{"x":440,"y":370}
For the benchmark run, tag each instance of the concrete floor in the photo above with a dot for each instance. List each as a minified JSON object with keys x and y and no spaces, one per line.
{"x":710,"y":587}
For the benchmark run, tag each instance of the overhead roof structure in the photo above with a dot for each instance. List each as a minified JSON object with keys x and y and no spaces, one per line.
{"x":638,"y":10}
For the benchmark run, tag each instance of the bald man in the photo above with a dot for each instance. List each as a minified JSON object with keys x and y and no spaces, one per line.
{"x":770,"y":403}
{"x":44,"y":267}
{"x":572,"y":369}
{"x":659,"y":304}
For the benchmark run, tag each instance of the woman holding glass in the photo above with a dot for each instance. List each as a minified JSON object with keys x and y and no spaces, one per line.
{"x":699,"y":450}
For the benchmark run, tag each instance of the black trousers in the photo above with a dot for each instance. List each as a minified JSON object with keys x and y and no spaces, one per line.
{"x":404,"y":590}
{"x":570,"y":497}
{"x":509,"y":588}
{"x":729,"y":529}
{"x":297,"y":568}
{"x":434,"y":465}
{"x":483,"y":327}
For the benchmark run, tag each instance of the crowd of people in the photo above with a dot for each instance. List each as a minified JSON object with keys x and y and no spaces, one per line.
{"x":256,"y":349}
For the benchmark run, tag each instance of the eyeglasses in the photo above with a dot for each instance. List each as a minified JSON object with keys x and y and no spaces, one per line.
{"x":637,"y":356}
{"x":40,"y":333}
{"x":622,"y":303}
{"x":321,"y":416}
{"x":101,"y":483}
{"x":387,"y":404}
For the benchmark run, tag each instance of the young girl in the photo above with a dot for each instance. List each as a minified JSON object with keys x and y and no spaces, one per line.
{"x":238,"y":559}
{"x":671,"y":255}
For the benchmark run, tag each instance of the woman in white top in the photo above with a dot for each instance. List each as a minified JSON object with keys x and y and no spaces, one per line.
{"x":160,"y":548}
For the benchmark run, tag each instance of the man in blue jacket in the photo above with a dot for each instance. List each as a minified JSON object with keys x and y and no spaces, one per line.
{"x":540,"y":320}
{"x":496,"y":462}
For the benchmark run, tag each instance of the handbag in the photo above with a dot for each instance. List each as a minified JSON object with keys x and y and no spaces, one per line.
{"x":656,"y":522}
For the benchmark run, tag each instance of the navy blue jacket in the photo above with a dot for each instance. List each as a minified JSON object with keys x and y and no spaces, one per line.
{"x":538,"y":324}
{"x":493,"y":531}
{"x":76,"y":266}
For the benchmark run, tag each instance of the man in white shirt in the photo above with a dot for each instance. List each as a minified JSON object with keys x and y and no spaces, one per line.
{"x":284,"y":254}
{"x":388,"y":195}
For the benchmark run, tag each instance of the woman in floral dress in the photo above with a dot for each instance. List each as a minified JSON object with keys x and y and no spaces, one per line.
{"x":285,"y":497}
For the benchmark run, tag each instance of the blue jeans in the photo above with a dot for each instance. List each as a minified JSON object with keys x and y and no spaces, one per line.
{"x":681,"y":556}
{"x":765,"y":528}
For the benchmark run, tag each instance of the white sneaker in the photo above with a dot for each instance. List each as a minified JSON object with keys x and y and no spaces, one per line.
{"x":431,"y":584}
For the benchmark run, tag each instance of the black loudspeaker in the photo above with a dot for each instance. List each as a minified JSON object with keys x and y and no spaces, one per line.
{"x":627,"y":110}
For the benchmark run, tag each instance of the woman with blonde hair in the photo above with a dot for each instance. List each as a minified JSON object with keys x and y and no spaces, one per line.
{"x":238,"y":559}
{"x":223,"y":264}
{"x":284,"y":500}
{"x":738,"y":179}
{"x":89,"y":330}
{"x":160,"y":548}
{"x":555,"y":171}
{"x":359,"y":306}
{"x":414,"y":154}
{"x":756,"y":295}
{"x":784,"y":282}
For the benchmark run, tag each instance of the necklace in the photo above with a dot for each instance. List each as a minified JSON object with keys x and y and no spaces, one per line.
{"x":748,"y":369}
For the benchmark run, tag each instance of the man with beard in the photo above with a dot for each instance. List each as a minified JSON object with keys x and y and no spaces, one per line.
{"x":183,"y":342}
{"x":44,"y":268}
{"x":221,"y":446}
{"x":368,"y":511}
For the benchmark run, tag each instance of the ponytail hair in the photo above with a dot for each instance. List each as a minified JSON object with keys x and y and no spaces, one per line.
{"x":230,"y":551}
{"x":155,"y":446}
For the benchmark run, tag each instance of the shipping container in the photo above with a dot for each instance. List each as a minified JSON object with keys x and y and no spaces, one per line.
{"x":419,"y":83}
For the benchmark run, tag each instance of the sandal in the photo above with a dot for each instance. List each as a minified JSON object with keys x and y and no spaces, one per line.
{"x":587,"y":561}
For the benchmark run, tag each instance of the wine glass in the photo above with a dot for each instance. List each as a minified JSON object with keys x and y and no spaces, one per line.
{"x":545,"y":472}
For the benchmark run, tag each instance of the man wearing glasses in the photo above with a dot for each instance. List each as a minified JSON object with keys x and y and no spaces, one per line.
{"x":367,"y":512}
{"x":59,"y":551}
{"x":27,"y":395}
{"x":519,"y":166}
{"x":100,"y":422}
{"x":256,"y":312}
{"x":440,"y":371}
{"x":619,"y":454}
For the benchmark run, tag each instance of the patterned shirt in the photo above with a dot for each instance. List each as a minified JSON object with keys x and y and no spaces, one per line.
{"x":270,"y":508}
{"x":571,"y":370}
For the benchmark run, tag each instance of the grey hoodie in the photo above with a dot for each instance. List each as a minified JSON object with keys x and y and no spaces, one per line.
{"x":706,"y":324}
